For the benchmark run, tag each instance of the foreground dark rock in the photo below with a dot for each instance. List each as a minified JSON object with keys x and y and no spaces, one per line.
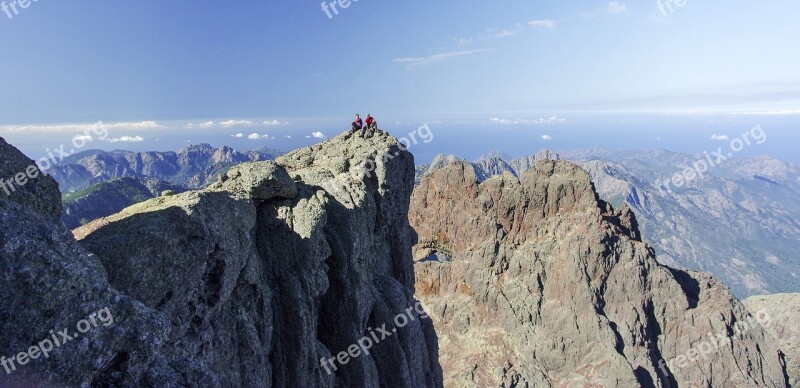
{"x":36,"y":193}
{"x":248,"y":283}
{"x":48,"y":283}
{"x":549,"y":286}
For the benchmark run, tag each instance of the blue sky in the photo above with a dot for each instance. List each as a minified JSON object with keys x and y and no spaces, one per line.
{"x":287,"y":66}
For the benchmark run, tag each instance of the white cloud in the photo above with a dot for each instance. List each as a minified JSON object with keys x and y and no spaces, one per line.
{"x":543,"y":24}
{"x":720,"y":137}
{"x":125,"y":139}
{"x":82,"y":138}
{"x":787,"y":112}
{"x":493,"y":33}
{"x":547,"y":137}
{"x":501,"y":121}
{"x":319,"y":135}
{"x":288,"y":136}
{"x":236,"y":123}
{"x":539,"y":121}
{"x":498,"y":33}
{"x":222,"y":124}
{"x":275,"y":122}
{"x":207,"y":124}
{"x":490,"y":33}
{"x":84,"y":128}
{"x":616,"y":7}
{"x":238,"y":135}
{"x":138,"y":125}
{"x":255,"y":136}
{"x":440,"y":57}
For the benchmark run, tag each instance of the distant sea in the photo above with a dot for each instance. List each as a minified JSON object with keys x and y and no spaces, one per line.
{"x":471,"y":138}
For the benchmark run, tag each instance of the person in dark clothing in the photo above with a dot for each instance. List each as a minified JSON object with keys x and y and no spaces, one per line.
{"x":358,"y":125}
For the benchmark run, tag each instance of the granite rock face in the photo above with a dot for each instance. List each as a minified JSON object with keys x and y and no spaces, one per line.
{"x":250,"y":282}
{"x":48,"y":285}
{"x":737,"y":221}
{"x":258,"y":180}
{"x":34,"y":193}
{"x":549,"y":286}
{"x":783,"y":312}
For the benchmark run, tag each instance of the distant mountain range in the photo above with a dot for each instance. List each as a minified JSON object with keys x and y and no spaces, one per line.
{"x":97,"y":183}
{"x":740,"y":221}
{"x":191,"y":167}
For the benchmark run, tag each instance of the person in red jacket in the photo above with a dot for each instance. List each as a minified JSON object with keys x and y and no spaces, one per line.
{"x":372,"y":125}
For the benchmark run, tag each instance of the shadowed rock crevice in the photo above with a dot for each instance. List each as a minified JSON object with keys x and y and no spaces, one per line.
{"x":689,"y":285}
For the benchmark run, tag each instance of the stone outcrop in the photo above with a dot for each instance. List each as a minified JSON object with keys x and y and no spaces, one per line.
{"x":549,"y":286}
{"x":783,"y":312}
{"x":250,"y":282}
{"x":35,"y":193}
{"x":48,"y":283}
{"x":258,"y":180}
{"x":736,"y":221}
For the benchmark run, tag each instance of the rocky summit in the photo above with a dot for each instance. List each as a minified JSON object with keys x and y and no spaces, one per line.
{"x":544,"y":284}
{"x":267,"y":277}
{"x":308,"y":271}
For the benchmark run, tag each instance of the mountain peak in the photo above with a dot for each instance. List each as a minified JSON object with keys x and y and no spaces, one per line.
{"x":202,"y":147}
{"x":495,"y":154}
{"x":541,"y":257}
{"x":288,"y":263}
